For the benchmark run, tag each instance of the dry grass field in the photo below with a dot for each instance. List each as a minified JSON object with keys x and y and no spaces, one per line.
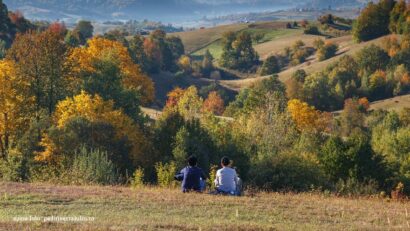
{"x":122,"y":208}
{"x":394,"y":104}
{"x":277,"y":45}
{"x":197,"y":39}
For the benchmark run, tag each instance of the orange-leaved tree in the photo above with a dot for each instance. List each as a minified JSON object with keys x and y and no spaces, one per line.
{"x":214,"y":104}
{"x":173,"y":97}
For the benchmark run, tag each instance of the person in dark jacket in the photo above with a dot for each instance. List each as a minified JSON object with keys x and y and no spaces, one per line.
{"x":192,"y":177}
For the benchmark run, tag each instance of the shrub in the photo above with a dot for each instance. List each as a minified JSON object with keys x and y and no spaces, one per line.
{"x":286,"y":171}
{"x":93,"y":167}
{"x":50,"y":173}
{"x":165,"y":174}
{"x":212,"y":177}
{"x":299,"y":56}
{"x":353,"y":187}
{"x":327,"y":51}
{"x":313,"y":30}
{"x":138,"y":178}
{"x":13,"y":168}
{"x":270,"y":66}
{"x":318,"y":43}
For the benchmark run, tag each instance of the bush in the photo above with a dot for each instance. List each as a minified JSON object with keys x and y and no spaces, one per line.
{"x":138,"y":178}
{"x":93,"y":167}
{"x":212,"y":177}
{"x":353,"y":187}
{"x":327,"y":51}
{"x":165,"y":174}
{"x":14,"y":167}
{"x":270,"y":66}
{"x":299,"y":56}
{"x":313,"y":30}
{"x":286,"y":172}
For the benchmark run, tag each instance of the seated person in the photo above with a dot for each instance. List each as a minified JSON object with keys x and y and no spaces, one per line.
{"x":192,"y":177}
{"x":227,"y":181}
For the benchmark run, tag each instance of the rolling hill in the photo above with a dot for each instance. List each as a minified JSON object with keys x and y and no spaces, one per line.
{"x":346,"y":47}
{"x":271,"y":31}
{"x":197,"y":39}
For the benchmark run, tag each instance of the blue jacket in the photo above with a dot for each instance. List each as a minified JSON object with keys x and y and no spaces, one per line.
{"x":191,"y":178}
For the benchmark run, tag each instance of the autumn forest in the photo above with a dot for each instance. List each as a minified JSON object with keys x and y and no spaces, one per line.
{"x":72,"y":105}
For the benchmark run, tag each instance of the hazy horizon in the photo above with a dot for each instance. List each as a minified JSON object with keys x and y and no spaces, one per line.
{"x":177,"y":12}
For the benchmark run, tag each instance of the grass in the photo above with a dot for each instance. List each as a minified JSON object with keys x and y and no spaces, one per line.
{"x":122,"y":208}
{"x":270,"y":34}
{"x":197,"y":39}
{"x":214,"y":48}
{"x":393,"y":104}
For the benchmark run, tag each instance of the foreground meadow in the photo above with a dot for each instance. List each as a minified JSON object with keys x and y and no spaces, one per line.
{"x":121,"y":208}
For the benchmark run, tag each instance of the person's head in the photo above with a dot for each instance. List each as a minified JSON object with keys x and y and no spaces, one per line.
{"x":192,"y":161}
{"x":225,"y":161}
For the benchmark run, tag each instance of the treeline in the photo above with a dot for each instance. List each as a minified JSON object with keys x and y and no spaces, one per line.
{"x":70,"y":113}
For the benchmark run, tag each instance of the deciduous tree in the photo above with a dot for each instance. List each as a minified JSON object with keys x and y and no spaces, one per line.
{"x":132,"y":78}
{"x":39,"y":59}
{"x":214,"y":104}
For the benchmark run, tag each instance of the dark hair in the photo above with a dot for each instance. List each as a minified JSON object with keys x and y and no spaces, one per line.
{"x":192,"y":161}
{"x":225,"y":161}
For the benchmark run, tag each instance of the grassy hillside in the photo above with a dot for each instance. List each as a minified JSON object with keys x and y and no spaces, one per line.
{"x":395,"y":104}
{"x":277,"y":45}
{"x":197,"y":39}
{"x":271,"y":31}
{"x":122,"y":208}
{"x":346,"y":47}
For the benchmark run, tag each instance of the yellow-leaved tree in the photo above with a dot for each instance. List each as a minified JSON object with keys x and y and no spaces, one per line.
{"x":95,"y":109}
{"x":307,"y":118}
{"x":13,"y":115}
{"x":83,"y":58}
{"x":190,"y":103}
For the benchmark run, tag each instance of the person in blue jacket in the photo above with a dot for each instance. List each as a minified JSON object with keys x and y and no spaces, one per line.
{"x":192,"y":177}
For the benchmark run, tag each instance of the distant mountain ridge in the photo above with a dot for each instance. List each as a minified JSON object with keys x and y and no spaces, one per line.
{"x":165,"y":10}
